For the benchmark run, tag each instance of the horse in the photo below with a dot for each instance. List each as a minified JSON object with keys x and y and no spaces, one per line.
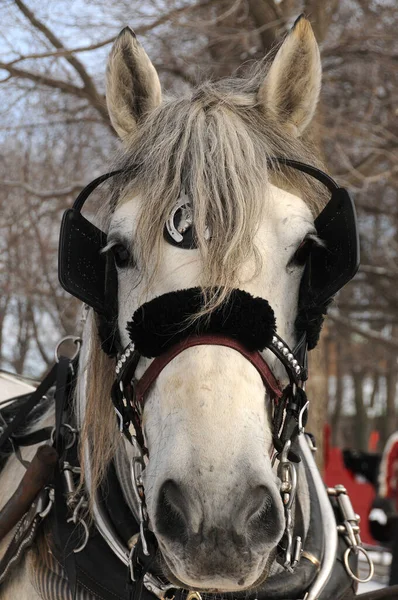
{"x":207,"y":230}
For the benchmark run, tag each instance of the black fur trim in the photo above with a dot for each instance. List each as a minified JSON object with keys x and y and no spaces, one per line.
{"x":310,"y":320}
{"x":164,"y":321}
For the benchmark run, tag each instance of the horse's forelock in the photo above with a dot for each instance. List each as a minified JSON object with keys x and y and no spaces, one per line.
{"x":215,"y":143}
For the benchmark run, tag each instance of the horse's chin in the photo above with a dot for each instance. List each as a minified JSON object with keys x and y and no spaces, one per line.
{"x":169,"y":574}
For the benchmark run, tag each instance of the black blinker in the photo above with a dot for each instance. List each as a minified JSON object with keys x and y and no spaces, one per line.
{"x":91,"y":276}
{"x":329,"y":268}
{"x":82,"y":267}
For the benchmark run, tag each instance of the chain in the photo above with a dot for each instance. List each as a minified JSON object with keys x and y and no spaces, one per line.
{"x":137,"y":467}
{"x":288,"y":475}
{"x":350,"y":530}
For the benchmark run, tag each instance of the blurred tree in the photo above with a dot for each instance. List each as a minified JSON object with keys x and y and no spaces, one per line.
{"x":55,"y":136}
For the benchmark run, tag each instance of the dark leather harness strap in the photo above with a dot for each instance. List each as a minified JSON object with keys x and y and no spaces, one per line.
{"x":158,"y":364}
{"x":34,"y":399}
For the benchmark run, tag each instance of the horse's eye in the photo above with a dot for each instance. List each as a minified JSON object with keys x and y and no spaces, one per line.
{"x":303,"y":252}
{"x":121,"y":255}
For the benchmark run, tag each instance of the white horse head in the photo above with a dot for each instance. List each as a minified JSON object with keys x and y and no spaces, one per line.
{"x":212,"y":496}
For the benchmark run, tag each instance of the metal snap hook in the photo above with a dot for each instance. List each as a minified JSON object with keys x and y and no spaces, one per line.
{"x":301,"y":416}
{"x":51,"y":497}
{"x":80,"y":521}
{"x":83,"y":523}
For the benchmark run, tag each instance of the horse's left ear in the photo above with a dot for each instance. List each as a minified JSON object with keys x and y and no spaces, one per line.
{"x":291,"y":89}
{"x":132,"y":84}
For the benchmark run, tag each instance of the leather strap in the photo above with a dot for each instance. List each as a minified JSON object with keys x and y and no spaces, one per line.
{"x":383,"y":594}
{"x":84,"y":194}
{"x":307,"y":169}
{"x":34,"y":399}
{"x":159,"y":363}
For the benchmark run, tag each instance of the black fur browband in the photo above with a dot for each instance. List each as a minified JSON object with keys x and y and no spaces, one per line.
{"x":164,"y":321}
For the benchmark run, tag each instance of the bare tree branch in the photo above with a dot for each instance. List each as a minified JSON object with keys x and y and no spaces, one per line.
{"x":41,"y":79}
{"x":64,"y":52}
{"x":380,"y":271}
{"x":75,"y":187}
{"x":56,"y":42}
{"x":369,"y":334}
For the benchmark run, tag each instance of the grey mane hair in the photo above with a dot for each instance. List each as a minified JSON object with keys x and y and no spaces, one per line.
{"x":216,"y":142}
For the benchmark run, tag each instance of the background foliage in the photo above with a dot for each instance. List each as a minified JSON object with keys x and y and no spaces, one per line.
{"x":55,"y":136}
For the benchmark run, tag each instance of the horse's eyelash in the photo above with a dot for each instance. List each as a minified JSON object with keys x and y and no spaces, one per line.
{"x":115,"y":242}
{"x":109,"y":246}
{"x":315,"y":239}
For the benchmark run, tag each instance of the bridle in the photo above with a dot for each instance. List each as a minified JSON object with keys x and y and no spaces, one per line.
{"x":89,"y":275}
{"x":289,"y":409}
{"x":324,"y":275}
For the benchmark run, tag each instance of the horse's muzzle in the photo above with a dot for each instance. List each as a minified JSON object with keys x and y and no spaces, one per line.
{"x":226,"y":547}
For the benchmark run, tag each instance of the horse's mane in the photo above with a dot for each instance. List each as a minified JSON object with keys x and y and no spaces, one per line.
{"x":215,"y":143}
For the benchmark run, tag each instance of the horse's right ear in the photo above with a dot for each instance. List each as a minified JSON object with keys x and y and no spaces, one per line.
{"x":291,"y":89}
{"x":132,"y":84}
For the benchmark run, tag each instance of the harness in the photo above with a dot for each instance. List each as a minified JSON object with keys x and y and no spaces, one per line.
{"x":156,"y":331}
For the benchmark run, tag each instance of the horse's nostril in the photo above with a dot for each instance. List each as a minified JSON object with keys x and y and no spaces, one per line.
{"x":171,"y":510}
{"x":264,"y":521}
{"x":259,"y":502}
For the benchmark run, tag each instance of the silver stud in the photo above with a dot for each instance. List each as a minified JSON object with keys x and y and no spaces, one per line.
{"x":117,"y":369}
{"x":280,"y":345}
{"x":274,"y":340}
{"x":290,"y":357}
{"x":121,"y":385}
{"x":285,"y":351}
{"x":123,"y":358}
{"x":294,"y":362}
{"x":127,"y":353}
{"x":298,"y":370}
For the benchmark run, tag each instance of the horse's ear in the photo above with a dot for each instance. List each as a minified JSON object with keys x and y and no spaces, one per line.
{"x":291,"y":89}
{"x":132,"y":83}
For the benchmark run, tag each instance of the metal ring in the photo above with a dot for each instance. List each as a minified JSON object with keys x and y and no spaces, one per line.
{"x":76,"y":340}
{"x":72,"y":430}
{"x":193,"y":596}
{"x":309,"y":556}
{"x":356,"y":550}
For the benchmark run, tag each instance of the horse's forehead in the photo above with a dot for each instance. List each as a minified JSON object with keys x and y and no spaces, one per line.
{"x":126,"y":215}
{"x":282,"y":207}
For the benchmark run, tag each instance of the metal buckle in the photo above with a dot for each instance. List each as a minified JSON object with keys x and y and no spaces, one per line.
{"x":350,"y":530}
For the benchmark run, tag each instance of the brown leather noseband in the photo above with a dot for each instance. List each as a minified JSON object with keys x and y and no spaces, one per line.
{"x":129,"y":393}
{"x":159,"y":363}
